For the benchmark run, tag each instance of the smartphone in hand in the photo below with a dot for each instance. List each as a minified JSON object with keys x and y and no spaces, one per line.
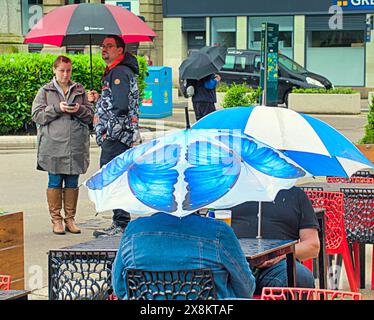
{"x":71,"y":104}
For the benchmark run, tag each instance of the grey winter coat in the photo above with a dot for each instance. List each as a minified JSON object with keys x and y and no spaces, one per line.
{"x":63,"y":138}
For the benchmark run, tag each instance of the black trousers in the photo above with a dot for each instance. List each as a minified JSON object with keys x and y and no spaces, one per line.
{"x":202,"y":109}
{"x":109,"y":150}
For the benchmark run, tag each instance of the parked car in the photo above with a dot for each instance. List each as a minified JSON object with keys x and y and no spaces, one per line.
{"x":243,"y":66}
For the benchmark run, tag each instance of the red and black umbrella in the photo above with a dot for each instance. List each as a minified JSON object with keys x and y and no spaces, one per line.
{"x":87,"y":23}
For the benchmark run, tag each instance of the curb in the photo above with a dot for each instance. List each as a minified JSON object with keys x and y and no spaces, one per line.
{"x":148,"y":128}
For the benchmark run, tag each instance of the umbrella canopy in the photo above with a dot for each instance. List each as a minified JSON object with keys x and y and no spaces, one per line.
{"x":311,"y":143}
{"x":86,"y":23}
{"x":192,"y":169}
{"x":202,"y":63}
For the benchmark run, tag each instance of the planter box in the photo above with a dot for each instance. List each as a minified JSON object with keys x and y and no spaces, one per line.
{"x":220,"y":98}
{"x":325,"y":103}
{"x":175,"y":95}
{"x":367,"y":150}
{"x":11,"y":249}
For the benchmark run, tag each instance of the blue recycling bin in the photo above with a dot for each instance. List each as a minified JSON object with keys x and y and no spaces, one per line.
{"x":157,"y":101}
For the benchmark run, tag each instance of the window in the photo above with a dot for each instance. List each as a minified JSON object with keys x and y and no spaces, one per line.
{"x":236,"y":63}
{"x":285,"y":33}
{"x":229,"y":63}
{"x":32,"y":12}
{"x":336,"y":38}
{"x":223,"y":31}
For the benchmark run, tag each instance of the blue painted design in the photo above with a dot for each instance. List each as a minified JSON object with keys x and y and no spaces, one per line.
{"x":118,"y":166}
{"x":213,"y":173}
{"x":262,"y":158}
{"x":152,"y":180}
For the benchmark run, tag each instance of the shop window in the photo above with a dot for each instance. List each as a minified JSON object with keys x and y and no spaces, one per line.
{"x":32,"y":12}
{"x":223,"y":32}
{"x":338,"y":38}
{"x":285,"y":33}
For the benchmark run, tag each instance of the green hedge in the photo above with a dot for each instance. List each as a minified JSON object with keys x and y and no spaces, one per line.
{"x":22,"y":74}
{"x":325,"y":91}
{"x":241,"y":95}
{"x":369,"y":128}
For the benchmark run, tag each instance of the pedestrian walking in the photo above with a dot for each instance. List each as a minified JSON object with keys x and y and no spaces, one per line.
{"x":204,"y":95}
{"x":62,"y":113}
{"x":117,"y":114}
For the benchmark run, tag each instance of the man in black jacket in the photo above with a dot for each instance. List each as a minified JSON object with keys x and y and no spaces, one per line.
{"x":204,"y":96}
{"x":117,"y":113}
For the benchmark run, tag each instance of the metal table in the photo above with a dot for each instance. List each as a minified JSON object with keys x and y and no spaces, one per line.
{"x":257,"y":251}
{"x":83,"y":271}
{"x":14,"y":294}
{"x":359,"y":214}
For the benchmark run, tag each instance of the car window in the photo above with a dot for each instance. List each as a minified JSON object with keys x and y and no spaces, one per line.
{"x":229,"y":63}
{"x":291,"y":65}
{"x":240,"y":63}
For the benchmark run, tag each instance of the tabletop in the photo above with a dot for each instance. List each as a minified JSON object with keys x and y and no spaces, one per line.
{"x":251,"y":247}
{"x":254,"y":248}
{"x":14,"y":294}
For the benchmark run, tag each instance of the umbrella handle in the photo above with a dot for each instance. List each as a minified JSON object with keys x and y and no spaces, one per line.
{"x":188,"y":126}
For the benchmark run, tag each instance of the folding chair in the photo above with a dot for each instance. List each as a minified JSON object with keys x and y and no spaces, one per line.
{"x":335,"y":233}
{"x":193,"y":284}
{"x":5,"y":281}
{"x":285,"y":293}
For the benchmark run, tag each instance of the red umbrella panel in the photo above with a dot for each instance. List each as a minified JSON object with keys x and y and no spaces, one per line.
{"x":86,"y":23}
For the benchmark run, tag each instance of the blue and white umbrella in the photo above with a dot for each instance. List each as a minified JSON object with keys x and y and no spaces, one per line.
{"x":192,"y":169}
{"x":311,"y":143}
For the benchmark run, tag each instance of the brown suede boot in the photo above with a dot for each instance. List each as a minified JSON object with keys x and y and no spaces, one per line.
{"x":70,"y":208}
{"x":54,"y":198}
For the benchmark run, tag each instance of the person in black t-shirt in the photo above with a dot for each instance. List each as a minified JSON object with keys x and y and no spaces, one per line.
{"x":290,"y":217}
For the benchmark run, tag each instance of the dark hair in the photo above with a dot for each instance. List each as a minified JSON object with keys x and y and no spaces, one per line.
{"x":119,"y":41}
{"x":59,"y":60}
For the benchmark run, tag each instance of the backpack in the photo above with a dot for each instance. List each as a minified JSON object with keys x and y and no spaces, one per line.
{"x":187,"y":91}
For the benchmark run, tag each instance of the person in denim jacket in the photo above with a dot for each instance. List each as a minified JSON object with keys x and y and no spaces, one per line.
{"x":165,"y":242}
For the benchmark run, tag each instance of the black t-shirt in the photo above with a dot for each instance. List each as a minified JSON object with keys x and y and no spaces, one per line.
{"x":281,"y":219}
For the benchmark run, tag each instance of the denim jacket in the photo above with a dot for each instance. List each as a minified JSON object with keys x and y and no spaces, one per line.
{"x":165,"y":242}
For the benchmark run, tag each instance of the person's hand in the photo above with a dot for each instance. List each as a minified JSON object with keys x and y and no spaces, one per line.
{"x":92,"y":96}
{"x":217,"y":77}
{"x":271,"y":262}
{"x":69,"y":109}
{"x":95,"y":120}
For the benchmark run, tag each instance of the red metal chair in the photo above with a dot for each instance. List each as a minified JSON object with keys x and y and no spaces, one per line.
{"x":335,"y":234}
{"x":285,"y":293}
{"x":356,"y":245}
{"x":5,"y":281}
{"x":350,"y":180}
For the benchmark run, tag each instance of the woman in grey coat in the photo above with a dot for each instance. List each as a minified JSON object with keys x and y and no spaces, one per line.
{"x":62,"y":112}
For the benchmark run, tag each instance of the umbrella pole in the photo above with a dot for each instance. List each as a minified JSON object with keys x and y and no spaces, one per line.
{"x":188,"y":126}
{"x":259,"y":222}
{"x":91,"y":63}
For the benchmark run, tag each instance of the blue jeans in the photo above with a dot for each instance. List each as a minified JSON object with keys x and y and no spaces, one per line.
{"x":276,"y":276}
{"x":55,"y":181}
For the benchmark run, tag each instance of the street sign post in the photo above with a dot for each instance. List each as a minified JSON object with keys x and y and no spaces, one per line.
{"x":269,"y":64}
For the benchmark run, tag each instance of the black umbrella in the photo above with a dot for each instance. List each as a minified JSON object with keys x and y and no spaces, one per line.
{"x":202,"y":63}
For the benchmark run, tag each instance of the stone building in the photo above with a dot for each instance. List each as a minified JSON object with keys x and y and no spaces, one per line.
{"x":16,"y":17}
